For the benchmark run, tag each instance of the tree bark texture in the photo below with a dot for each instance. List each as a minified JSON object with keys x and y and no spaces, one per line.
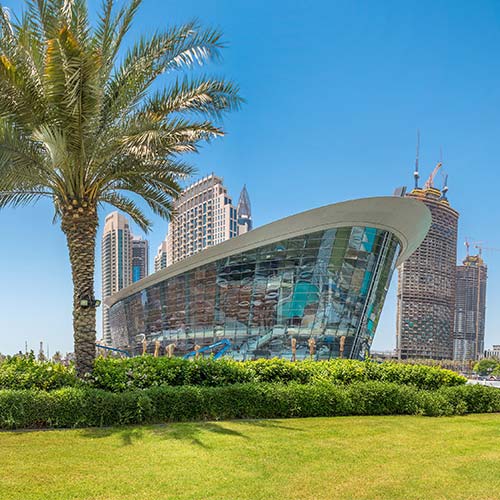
{"x":80,"y":230}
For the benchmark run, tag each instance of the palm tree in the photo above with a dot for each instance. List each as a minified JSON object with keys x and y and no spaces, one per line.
{"x":81,"y":125}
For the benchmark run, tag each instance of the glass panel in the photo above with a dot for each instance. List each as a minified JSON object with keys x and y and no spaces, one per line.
{"x":328,"y":286}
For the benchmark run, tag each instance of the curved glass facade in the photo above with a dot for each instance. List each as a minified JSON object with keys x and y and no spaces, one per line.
{"x":271,"y":301}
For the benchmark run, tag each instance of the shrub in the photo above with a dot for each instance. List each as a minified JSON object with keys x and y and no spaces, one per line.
{"x":72,"y":407}
{"x":144,"y":372}
{"x":25,"y":373}
{"x":90,"y":407}
{"x":473,"y":398}
{"x":147,"y":371}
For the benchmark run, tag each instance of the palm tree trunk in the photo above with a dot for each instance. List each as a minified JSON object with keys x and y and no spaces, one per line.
{"x":80,"y":229}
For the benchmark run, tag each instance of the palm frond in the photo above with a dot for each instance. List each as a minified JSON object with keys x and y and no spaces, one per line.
{"x":129,"y":207}
{"x":111,"y":30}
{"x":22,"y":163}
{"x":158,"y":201}
{"x":21,"y":87}
{"x":178,"y":48}
{"x":172,"y":137}
{"x":46,"y":15}
{"x":203,"y":95}
{"x":16,"y":199}
{"x":79,"y":24}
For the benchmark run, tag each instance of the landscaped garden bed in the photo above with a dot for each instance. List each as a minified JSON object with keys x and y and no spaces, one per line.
{"x":153,"y":390}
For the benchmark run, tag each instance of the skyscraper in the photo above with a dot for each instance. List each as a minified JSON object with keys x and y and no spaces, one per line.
{"x":205,"y":216}
{"x":244,"y":212}
{"x":161,"y":257}
{"x":124,"y":259}
{"x":140,"y":258}
{"x":427,"y":280}
{"x":470,"y":309}
{"x":116,"y":261}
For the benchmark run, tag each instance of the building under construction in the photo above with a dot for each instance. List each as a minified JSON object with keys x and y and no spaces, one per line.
{"x":470,"y":309}
{"x":427,"y":280}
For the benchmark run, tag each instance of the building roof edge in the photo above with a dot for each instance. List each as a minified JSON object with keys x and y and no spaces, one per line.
{"x":407,"y":218}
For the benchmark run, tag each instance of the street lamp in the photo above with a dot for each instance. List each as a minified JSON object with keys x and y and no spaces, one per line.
{"x":87,"y":301}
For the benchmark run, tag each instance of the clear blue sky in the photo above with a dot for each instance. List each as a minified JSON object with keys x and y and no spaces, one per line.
{"x":335,"y":92}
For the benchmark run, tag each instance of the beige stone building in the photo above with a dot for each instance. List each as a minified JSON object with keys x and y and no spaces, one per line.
{"x":161,"y":257}
{"x":204,"y":216}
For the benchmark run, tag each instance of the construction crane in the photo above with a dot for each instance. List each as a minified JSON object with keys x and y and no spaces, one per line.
{"x":491,"y":249}
{"x":430,"y":181}
{"x":480,"y":248}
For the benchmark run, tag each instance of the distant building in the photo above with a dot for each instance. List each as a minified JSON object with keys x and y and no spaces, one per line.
{"x":427,"y":280}
{"x":494,"y":352}
{"x":116,"y":261}
{"x":470,"y":309}
{"x":161,"y":257}
{"x":205,"y":216}
{"x":124,"y":259}
{"x":140,"y":258}
{"x":244,"y":212}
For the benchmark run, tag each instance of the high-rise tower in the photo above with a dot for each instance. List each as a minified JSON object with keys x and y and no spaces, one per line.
{"x":140,"y":258}
{"x":124,"y":259}
{"x":470,"y":309}
{"x":161,"y":257}
{"x":116,"y":258}
{"x":204,"y":216}
{"x":244,"y":210}
{"x":427,"y":280}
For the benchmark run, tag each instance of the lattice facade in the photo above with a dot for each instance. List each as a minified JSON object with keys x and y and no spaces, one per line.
{"x":470,"y":309}
{"x":426,"y":285}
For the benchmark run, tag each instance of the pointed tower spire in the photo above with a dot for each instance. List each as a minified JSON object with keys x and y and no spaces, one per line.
{"x":244,"y":211}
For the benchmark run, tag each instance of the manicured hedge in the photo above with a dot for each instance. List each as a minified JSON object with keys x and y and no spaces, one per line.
{"x":146,"y":371}
{"x":85,"y":406}
{"x":118,"y":375}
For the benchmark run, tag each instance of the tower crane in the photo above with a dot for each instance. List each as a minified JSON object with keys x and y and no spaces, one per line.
{"x":480,"y":247}
{"x":430,"y":180}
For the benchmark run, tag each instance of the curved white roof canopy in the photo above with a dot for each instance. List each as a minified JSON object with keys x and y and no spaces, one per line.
{"x":408,"y":219}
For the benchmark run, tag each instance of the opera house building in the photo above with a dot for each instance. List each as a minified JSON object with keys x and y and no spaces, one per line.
{"x":310,"y":285}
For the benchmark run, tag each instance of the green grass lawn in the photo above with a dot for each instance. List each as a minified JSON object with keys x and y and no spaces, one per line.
{"x":371,"y":458}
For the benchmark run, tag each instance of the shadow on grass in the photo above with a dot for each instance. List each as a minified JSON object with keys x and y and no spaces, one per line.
{"x":273,"y":424}
{"x":183,"y":431}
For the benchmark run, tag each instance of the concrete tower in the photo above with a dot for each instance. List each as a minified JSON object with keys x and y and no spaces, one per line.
{"x":470,"y":309}
{"x":204,"y":216}
{"x":427,"y":281}
{"x":116,"y":260}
